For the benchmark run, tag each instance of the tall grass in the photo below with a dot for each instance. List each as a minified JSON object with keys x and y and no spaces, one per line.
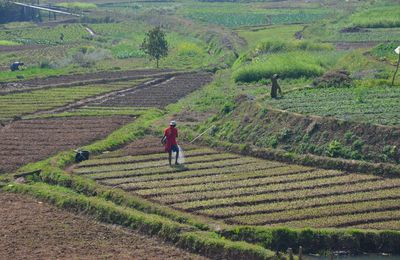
{"x":378,"y":17}
{"x":288,"y":65}
{"x":78,"y":5}
{"x":8,"y":43}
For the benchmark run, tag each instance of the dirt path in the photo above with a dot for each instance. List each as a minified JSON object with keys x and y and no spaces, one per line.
{"x":31,"y":229}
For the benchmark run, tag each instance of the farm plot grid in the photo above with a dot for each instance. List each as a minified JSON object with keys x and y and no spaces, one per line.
{"x":160,"y":95}
{"x":19,"y":104}
{"x":378,"y":105}
{"x":6,"y":87}
{"x":251,"y":191}
{"x":27,"y":141}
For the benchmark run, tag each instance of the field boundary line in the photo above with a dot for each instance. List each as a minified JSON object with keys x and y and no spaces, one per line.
{"x":227,"y":204}
{"x":284,"y":220}
{"x":89,"y":82}
{"x":268,"y":211}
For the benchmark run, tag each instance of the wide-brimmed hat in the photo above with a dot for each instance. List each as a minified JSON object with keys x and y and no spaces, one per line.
{"x":173,"y":122}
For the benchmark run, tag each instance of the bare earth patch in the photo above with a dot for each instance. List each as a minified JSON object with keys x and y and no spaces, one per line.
{"x":31,"y":229}
{"x":27,"y":141}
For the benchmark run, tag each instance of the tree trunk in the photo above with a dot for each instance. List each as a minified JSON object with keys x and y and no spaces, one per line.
{"x":157,"y":63}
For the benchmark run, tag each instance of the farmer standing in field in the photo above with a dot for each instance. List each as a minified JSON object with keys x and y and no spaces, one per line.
{"x":169,"y":141}
{"x":275,"y":87}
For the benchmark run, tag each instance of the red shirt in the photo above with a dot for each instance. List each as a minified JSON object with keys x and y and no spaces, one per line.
{"x":171,"y":133}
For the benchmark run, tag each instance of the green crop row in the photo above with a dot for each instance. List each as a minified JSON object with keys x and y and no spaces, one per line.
{"x":260,"y":177}
{"x":383,"y":225}
{"x":377,"y":104}
{"x":166,"y":169}
{"x":199,"y":174}
{"x":43,"y":35}
{"x":316,"y":212}
{"x":248,"y":210}
{"x":255,"y":180}
{"x":251,"y":188}
{"x":377,"y":17}
{"x":194,"y":174}
{"x":254,"y":167}
{"x":238,"y":19}
{"x":95,"y":111}
{"x":206,"y":171}
{"x":23,"y":103}
{"x":347,"y":220}
{"x":335,"y":186}
{"x":106,"y":160}
{"x":151,"y":164}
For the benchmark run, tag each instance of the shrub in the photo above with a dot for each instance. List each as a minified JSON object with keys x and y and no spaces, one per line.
{"x":336,"y":78}
{"x":287,"y":65}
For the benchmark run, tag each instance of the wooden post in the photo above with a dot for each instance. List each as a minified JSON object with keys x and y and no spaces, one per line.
{"x":300,"y":253}
{"x":290,"y":253}
{"x":331,"y":256}
{"x":397,"y":68}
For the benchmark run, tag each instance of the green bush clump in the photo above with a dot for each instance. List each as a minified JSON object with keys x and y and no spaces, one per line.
{"x":373,"y":18}
{"x":337,"y":149}
{"x":287,"y":65}
{"x":279,"y":46}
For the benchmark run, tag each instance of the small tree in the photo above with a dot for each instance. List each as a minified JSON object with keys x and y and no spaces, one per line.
{"x":154,"y":44}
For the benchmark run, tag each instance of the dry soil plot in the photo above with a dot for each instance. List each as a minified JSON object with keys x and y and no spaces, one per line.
{"x":7,"y":87}
{"x":57,"y":234}
{"x":251,"y":191}
{"x":162,"y":94}
{"x":27,"y":141}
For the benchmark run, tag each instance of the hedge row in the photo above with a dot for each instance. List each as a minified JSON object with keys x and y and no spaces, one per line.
{"x":318,"y":240}
{"x":186,"y":237}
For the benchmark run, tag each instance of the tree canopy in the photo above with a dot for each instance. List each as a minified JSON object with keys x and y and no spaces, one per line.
{"x":154,"y":44}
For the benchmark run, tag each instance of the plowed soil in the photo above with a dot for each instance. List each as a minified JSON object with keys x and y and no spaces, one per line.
{"x":12,"y":48}
{"x":56,"y":234}
{"x":27,"y":141}
{"x":162,"y":94}
{"x":75,"y":79}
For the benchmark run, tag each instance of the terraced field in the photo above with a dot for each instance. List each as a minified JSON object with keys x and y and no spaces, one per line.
{"x":160,"y":95}
{"x":27,"y":141}
{"x":19,"y":104}
{"x":250,"y":191}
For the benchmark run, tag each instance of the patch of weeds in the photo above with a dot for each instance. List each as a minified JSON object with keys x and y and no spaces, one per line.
{"x":348,"y":136}
{"x":337,"y":149}
{"x":334,"y":148}
{"x":360,"y":94}
{"x":358,"y":144}
{"x":285,"y":134}
{"x":272,"y":141}
{"x":391,"y":153}
{"x":228,"y":107}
